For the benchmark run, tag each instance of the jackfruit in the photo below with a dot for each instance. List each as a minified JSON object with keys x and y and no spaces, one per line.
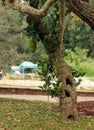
{"x":32,"y":45}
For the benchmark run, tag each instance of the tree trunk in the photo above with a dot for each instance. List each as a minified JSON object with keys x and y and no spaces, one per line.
{"x":68,"y":98}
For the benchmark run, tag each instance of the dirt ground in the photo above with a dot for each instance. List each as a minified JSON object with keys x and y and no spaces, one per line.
{"x":86,"y":107}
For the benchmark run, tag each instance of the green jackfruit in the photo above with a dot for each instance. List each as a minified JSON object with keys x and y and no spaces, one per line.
{"x":32,"y":45}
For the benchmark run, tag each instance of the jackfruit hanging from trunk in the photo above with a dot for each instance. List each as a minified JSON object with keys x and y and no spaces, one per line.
{"x":32,"y":45}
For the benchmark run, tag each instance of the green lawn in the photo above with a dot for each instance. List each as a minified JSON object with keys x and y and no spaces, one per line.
{"x":35,"y":115}
{"x":88,"y":68}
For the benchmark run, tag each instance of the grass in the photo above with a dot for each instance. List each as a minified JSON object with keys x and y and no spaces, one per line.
{"x":88,"y":67}
{"x":36,"y":115}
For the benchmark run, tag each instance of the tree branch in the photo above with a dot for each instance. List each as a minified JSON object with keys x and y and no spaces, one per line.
{"x":82,"y":9}
{"x":62,"y":20}
{"x":30,"y":10}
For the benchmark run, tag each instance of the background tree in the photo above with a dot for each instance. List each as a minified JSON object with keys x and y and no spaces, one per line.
{"x":14,"y":44}
{"x":78,"y":34}
{"x":53,"y":44}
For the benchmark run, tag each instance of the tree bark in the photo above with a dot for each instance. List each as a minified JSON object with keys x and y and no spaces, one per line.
{"x":32,"y":11}
{"x":68,"y":99}
{"x":82,"y":9}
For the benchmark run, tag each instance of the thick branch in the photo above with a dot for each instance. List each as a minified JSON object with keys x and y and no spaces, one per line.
{"x":83,"y":10}
{"x":30,"y":10}
{"x":80,"y":7}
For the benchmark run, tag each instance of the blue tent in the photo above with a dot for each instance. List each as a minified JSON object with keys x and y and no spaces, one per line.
{"x":26,"y":64}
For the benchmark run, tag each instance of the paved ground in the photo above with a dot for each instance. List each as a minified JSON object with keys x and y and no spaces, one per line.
{"x":21,"y":83}
{"x":85,"y":85}
{"x":41,"y":97}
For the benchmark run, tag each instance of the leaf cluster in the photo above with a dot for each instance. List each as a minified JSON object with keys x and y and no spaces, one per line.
{"x":75,"y":59}
{"x":52,"y":86}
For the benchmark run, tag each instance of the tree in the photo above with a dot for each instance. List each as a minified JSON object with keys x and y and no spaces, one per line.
{"x":14,"y":44}
{"x":52,"y":41}
{"x":8,"y":40}
{"x":78,"y":34}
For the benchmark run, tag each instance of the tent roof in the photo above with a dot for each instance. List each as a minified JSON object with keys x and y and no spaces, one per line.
{"x":27,"y":64}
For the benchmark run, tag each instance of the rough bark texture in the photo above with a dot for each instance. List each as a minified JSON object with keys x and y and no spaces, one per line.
{"x":68,"y":98}
{"x":82,"y":9}
{"x":36,"y":13}
{"x":68,"y":95}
